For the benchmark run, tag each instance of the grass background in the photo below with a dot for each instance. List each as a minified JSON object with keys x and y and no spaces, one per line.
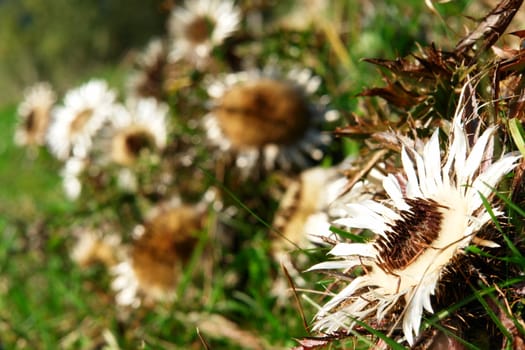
{"x":47,"y":302}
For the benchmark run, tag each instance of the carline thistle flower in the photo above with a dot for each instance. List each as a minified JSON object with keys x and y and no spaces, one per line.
{"x":148,"y":77}
{"x":158,"y":255}
{"x":433,"y":212}
{"x":34,"y":114}
{"x":199,"y":26}
{"x":264,"y":118}
{"x":82,"y":115}
{"x":142,"y":125}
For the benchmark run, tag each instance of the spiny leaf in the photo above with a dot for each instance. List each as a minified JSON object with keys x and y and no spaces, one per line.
{"x":490,"y":29}
{"x":430,"y":64}
{"x":396,"y":94}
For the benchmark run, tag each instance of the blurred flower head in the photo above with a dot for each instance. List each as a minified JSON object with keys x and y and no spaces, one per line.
{"x":315,"y":199}
{"x":307,"y":198}
{"x":199,"y":26}
{"x":142,"y":126}
{"x":433,"y":211}
{"x":306,"y":212}
{"x":158,"y":254}
{"x":149,"y":77}
{"x":34,"y":115}
{"x":83,"y":113}
{"x":304,"y":15}
{"x":264,"y":118}
{"x":93,"y":246}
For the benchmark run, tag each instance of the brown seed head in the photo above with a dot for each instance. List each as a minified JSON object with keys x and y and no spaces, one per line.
{"x":167,"y":243}
{"x":129,"y":143}
{"x":199,"y":30}
{"x":35,"y":125}
{"x":264,"y":112}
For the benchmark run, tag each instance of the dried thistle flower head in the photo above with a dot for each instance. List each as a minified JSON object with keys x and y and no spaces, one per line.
{"x":34,"y":115}
{"x":149,"y":77}
{"x":142,"y":126}
{"x":276,"y":112}
{"x":434,"y":211}
{"x":158,"y":255}
{"x":265,"y":119}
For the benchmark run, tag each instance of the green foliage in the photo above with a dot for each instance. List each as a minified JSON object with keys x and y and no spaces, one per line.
{"x":65,"y":41}
{"x":27,"y":174}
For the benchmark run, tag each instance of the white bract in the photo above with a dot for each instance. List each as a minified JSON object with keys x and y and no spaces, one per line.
{"x":432,"y":213}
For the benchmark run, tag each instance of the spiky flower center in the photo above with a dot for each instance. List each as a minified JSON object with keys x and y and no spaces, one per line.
{"x":36,"y":121}
{"x":80,"y":120}
{"x":138,"y":141}
{"x":263,"y":112}
{"x":199,"y":30}
{"x":410,"y":235}
{"x":30,"y":121}
{"x":128,"y":144}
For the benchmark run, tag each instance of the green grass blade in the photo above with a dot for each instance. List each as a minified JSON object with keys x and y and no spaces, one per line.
{"x":511,"y":204}
{"x":491,"y":313}
{"x":451,"y":309}
{"x":347,"y":235}
{"x":389,"y":341}
{"x":451,"y":334}
{"x":493,"y":216}
{"x":518,"y":135}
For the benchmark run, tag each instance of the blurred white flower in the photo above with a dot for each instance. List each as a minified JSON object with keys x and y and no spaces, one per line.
{"x":71,"y":172}
{"x":141,"y":126}
{"x":127,"y":180}
{"x":199,"y":26}
{"x":126,"y":285}
{"x":83,"y":113}
{"x":92,"y":246}
{"x":34,"y":115}
{"x":148,"y":78}
{"x":306,"y":212}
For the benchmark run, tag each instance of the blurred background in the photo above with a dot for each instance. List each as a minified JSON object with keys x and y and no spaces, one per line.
{"x":65,"y":41}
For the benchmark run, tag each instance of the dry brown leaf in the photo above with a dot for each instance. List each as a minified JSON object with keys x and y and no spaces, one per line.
{"x":489,"y":30}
